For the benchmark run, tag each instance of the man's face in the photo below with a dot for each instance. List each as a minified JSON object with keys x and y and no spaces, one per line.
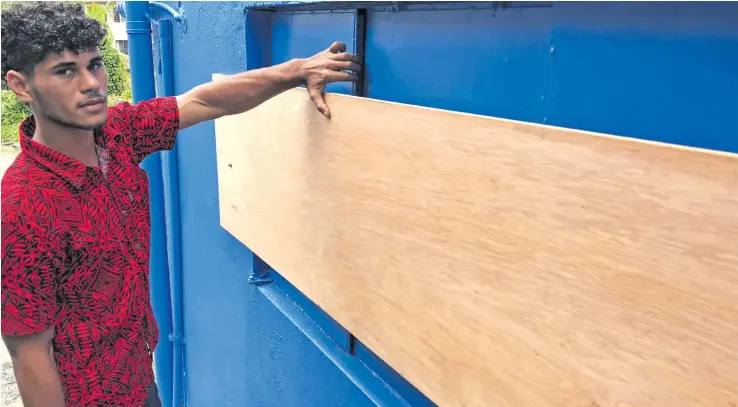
{"x":71,"y":89}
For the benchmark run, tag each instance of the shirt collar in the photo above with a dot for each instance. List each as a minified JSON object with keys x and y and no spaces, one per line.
{"x":73,"y":171}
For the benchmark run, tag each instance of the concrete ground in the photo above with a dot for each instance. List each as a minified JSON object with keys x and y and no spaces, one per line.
{"x":10,"y":395}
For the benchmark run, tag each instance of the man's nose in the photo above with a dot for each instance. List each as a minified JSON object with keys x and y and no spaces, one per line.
{"x":88,"y":82}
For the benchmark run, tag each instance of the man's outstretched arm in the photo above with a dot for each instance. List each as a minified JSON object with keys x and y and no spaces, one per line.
{"x":35,"y":370}
{"x":244,"y":91}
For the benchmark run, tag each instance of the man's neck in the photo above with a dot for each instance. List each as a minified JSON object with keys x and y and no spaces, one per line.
{"x":74,"y":143}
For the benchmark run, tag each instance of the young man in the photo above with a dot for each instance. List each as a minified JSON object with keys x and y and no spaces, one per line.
{"x":76,"y":315}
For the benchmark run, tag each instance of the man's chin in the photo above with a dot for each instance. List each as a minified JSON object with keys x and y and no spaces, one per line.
{"x":94,"y":122}
{"x":85,"y":124}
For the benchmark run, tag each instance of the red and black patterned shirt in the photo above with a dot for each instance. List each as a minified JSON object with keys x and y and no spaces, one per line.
{"x":75,"y":254}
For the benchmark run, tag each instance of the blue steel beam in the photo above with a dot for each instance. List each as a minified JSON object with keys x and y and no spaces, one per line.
{"x":162,"y":15}
{"x":138,"y":28}
{"x":172,"y":217}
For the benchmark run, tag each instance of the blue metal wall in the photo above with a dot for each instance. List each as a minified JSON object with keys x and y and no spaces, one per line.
{"x":658,"y":71}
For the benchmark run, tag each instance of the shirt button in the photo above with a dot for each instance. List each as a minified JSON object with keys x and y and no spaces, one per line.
{"x":138,"y":246}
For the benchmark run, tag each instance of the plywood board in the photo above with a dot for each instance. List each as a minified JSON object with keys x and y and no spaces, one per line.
{"x":497,"y":263}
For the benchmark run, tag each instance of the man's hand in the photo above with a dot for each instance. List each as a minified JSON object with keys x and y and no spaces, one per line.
{"x":242,"y":92}
{"x":331,"y":65}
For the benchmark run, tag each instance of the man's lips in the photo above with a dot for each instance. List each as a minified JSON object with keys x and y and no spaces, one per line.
{"x":92,"y":102}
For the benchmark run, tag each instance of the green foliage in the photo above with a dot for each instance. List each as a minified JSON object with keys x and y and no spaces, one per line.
{"x":126,"y":96}
{"x":118,"y":77}
{"x":13,"y":112}
{"x":99,"y":12}
{"x":8,"y":4}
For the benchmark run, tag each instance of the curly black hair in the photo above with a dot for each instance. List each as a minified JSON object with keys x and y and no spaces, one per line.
{"x":31,"y":31}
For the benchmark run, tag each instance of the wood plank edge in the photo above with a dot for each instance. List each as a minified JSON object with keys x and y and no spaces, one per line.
{"x":545,"y":129}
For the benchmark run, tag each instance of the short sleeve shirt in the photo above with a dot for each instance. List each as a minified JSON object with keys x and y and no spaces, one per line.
{"x":75,"y":254}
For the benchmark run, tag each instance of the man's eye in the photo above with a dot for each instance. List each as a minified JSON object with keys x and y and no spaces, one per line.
{"x":65,"y":72}
{"x":95,"y":66}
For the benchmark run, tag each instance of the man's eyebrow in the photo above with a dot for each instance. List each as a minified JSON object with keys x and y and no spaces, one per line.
{"x":96,"y":59}
{"x":65,"y":64}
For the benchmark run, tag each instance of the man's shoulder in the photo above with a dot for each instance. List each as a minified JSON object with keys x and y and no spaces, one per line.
{"x":23,"y":171}
{"x":126,"y":116}
{"x":157,"y":104}
{"x":120,"y":111}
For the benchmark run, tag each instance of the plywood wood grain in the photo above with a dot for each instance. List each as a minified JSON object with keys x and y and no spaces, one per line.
{"x":497,"y":263}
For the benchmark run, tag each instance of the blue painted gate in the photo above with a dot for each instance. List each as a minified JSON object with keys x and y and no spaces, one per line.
{"x":657,"y":71}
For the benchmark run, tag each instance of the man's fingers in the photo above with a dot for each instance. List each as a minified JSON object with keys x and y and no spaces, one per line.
{"x":340,"y":76}
{"x":316,"y":95}
{"x":337,"y":47}
{"x":354,"y":66}
{"x":345,"y":65}
{"x":347,"y":56}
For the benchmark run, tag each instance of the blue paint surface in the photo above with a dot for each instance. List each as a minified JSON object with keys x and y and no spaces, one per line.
{"x":659,"y":71}
{"x":410,"y":394}
{"x":376,"y":390}
{"x":487,"y":61}
{"x":301,"y":35}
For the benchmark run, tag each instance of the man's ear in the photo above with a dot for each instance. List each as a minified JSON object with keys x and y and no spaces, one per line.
{"x":19,"y":84}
